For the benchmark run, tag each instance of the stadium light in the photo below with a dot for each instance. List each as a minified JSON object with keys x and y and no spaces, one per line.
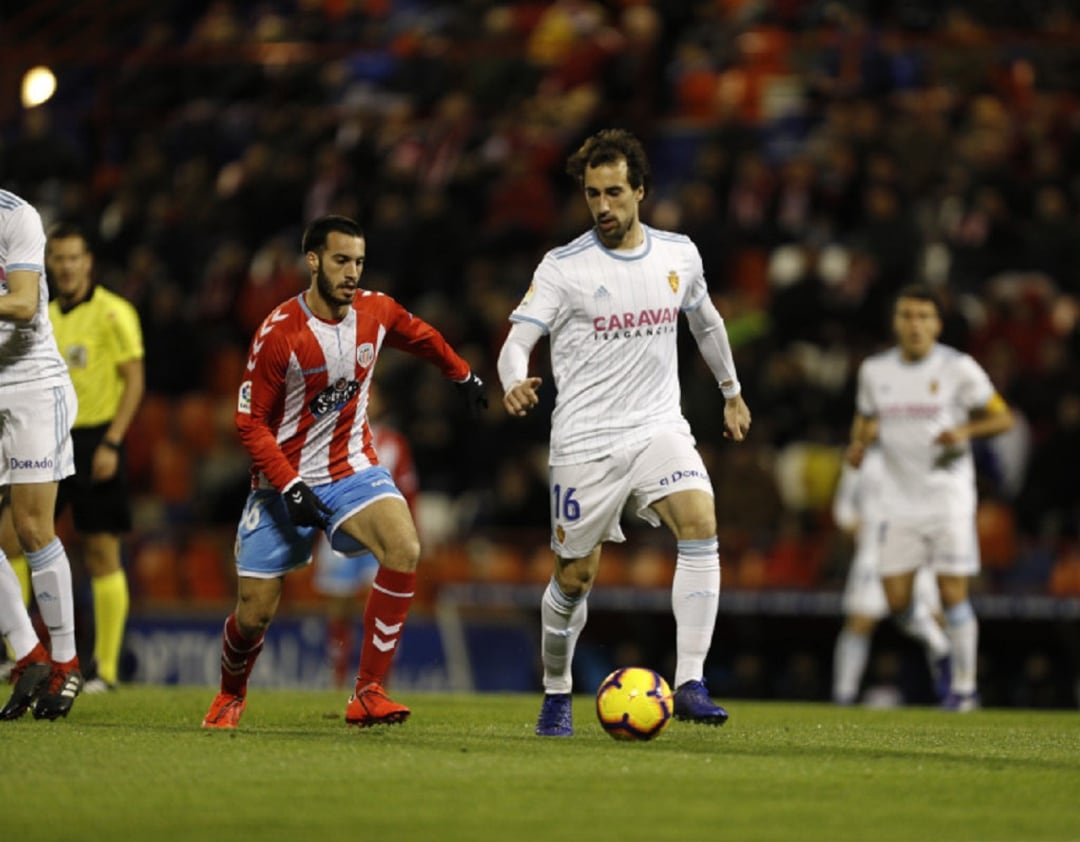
{"x":38,"y":86}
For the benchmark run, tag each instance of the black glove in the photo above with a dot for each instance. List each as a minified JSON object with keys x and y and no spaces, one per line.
{"x":305,"y":508}
{"x":474,"y":393}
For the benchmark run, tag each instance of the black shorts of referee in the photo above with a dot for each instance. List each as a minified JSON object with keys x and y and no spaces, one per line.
{"x":95,"y":506}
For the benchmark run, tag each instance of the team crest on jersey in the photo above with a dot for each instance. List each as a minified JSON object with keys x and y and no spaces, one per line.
{"x":528,"y":294}
{"x":365,"y":354}
{"x":244,"y":402}
{"x":933,"y":387}
{"x":673,"y":280}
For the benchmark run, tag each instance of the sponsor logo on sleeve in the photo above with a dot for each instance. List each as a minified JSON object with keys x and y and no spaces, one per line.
{"x":244,"y":402}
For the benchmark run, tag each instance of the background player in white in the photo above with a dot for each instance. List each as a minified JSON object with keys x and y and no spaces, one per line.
{"x":302,"y":416}
{"x":923,"y":402}
{"x":857,"y":509}
{"x":610,"y":302}
{"x":37,"y":408}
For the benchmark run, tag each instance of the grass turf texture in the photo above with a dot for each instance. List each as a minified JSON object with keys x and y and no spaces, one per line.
{"x":135,"y":764}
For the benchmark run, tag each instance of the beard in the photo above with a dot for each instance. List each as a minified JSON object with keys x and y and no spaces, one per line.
{"x":614,"y":237}
{"x":326,"y":290}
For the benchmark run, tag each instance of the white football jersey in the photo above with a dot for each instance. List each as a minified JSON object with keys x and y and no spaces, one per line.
{"x":612,"y":317}
{"x":913,"y":403}
{"x":29,"y":358}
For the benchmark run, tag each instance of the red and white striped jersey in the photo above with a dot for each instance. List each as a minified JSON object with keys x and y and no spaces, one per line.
{"x":302,"y":411}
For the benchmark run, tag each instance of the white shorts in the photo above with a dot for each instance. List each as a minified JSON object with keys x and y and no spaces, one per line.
{"x":35,"y":435}
{"x":864,"y":595}
{"x":948,"y":546}
{"x":588,"y":499}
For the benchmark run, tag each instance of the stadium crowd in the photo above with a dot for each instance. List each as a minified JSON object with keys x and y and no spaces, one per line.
{"x":820,"y":154}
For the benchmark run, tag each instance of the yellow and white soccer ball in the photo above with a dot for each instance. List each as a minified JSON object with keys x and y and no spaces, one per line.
{"x":634,"y":703}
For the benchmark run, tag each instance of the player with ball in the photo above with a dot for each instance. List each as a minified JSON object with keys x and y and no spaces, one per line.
{"x":610,"y":302}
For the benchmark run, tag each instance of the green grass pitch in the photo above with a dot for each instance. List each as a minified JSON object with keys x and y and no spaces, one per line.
{"x":135,"y":765}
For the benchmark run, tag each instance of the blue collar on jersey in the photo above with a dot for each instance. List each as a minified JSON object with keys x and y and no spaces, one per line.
{"x":634,"y":255}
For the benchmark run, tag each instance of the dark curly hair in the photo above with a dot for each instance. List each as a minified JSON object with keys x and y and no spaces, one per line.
{"x":607,"y":147}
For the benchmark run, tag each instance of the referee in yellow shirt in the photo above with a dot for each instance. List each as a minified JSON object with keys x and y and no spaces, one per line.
{"x":99,"y":336}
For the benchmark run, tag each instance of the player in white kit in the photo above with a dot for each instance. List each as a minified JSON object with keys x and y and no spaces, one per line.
{"x":857,"y":509}
{"x":610,"y":302}
{"x":37,"y":408}
{"x":923,"y":402}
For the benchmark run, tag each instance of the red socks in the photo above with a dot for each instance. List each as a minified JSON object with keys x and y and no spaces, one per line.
{"x":384,"y":618}
{"x":238,"y":655}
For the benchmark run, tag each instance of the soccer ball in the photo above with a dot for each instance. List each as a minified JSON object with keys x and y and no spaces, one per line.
{"x":634,"y":703}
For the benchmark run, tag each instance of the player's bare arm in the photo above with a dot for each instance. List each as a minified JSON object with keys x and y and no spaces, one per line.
{"x":21,"y":302}
{"x":106,"y":459}
{"x":863,"y":432}
{"x":991,"y":420}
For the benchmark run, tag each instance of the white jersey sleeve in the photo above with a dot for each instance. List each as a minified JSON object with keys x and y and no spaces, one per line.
{"x":513,"y":362}
{"x":974,"y":389}
{"x":24,"y":239}
{"x":710,"y":333}
{"x":543,"y":301}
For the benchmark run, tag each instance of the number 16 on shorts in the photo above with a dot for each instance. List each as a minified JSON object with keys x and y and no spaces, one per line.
{"x":566,"y":509}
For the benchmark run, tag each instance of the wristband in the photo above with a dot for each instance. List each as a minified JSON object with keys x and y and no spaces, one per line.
{"x":732,"y":390}
{"x":112,"y":445}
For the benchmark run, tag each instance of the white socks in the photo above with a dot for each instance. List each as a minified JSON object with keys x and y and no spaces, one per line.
{"x":917,"y":622}
{"x":50,"y":574}
{"x":15,"y":623}
{"x":963,"y":630}
{"x":849,"y":663}
{"x":695,"y":598}
{"x":561,"y":620}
